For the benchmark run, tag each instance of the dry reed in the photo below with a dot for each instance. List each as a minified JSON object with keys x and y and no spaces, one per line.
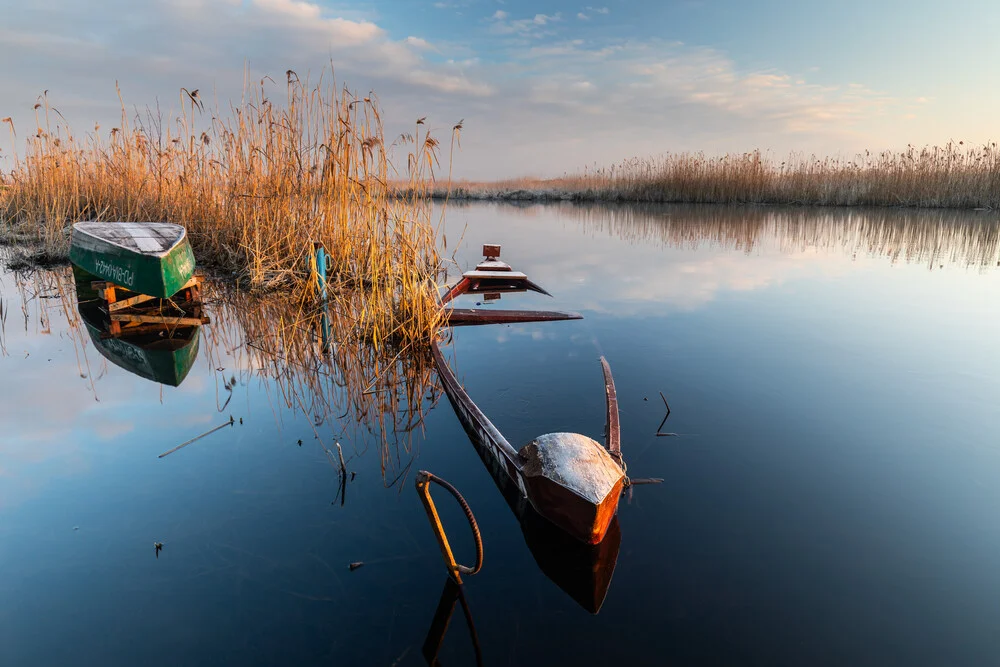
{"x":950,"y":176}
{"x":255,"y":185}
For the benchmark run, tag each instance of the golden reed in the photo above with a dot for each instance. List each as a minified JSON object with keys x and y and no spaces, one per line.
{"x":950,"y":176}
{"x":255,"y":185}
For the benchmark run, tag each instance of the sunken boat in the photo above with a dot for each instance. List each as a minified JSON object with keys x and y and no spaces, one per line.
{"x":151,"y":258}
{"x":569,"y":479}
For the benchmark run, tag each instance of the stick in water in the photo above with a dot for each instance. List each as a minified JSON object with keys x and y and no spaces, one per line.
{"x":210,"y":432}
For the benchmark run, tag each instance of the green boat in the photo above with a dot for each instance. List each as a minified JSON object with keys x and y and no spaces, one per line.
{"x":152,"y":258}
{"x":162,"y":354}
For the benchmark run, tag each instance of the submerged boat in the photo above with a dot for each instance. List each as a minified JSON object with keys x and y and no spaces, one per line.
{"x":151,"y":258}
{"x":569,"y":479}
{"x":159,"y":352}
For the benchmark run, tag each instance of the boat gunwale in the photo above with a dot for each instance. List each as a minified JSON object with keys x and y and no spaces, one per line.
{"x":160,"y":254}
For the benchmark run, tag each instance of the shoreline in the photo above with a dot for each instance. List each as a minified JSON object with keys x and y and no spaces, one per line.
{"x":528,"y":195}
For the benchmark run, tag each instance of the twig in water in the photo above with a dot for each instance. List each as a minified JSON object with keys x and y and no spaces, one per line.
{"x":665,"y":418}
{"x":340,"y":452}
{"x":209,"y":432}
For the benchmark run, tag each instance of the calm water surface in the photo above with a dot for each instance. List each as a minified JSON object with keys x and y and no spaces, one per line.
{"x":831,"y":497}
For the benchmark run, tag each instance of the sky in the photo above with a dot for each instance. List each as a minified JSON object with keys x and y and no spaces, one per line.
{"x":544,"y":88}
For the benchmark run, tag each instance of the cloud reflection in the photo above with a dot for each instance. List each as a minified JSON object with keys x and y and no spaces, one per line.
{"x":599,"y":258}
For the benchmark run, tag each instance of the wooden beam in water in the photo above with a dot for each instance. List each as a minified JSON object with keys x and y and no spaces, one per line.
{"x":458,"y":317}
{"x":612,"y":429}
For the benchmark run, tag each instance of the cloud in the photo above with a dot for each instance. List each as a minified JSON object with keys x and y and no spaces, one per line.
{"x":527,"y":27}
{"x":537,"y":93}
{"x":153,"y":49}
{"x":419,"y":43}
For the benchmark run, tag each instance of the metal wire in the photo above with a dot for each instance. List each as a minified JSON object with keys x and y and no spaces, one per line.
{"x":430,"y":477}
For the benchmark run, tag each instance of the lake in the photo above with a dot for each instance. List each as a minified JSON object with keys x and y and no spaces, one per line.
{"x":830,"y":496}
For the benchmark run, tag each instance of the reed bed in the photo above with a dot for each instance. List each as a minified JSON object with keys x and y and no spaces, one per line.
{"x":255,"y":185}
{"x":950,"y":176}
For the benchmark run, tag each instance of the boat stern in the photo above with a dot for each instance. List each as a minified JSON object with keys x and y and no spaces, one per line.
{"x":573,"y":482}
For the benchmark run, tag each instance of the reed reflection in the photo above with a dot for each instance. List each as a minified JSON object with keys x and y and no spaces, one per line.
{"x":919,"y":236}
{"x":317,"y":362}
{"x":347,"y":389}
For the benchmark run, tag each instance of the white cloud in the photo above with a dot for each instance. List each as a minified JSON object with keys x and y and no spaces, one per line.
{"x":527,"y":27}
{"x":582,"y":16}
{"x":534,"y":95}
{"x":419,"y":43}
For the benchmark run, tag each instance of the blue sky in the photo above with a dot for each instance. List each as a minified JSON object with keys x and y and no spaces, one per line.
{"x":543,"y":87}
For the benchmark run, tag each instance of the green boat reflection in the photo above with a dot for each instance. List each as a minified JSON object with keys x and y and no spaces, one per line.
{"x":159,"y":352}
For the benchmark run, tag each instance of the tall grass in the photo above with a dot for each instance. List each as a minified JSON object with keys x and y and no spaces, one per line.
{"x":950,"y":176}
{"x":255,"y":184}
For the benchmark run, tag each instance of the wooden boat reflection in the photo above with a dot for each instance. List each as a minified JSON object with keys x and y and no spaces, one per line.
{"x":583,"y":571}
{"x":162,"y":349}
{"x":568,"y":478}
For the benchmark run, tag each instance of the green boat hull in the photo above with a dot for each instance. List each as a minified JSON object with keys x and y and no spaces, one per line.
{"x":164,"y":366}
{"x":156,"y":274}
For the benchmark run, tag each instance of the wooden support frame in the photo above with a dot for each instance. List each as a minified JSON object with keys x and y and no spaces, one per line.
{"x":128,"y":322}
{"x":128,"y":303}
{"x":158,"y":319}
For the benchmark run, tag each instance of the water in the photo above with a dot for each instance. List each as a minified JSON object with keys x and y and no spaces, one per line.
{"x":830,"y":498}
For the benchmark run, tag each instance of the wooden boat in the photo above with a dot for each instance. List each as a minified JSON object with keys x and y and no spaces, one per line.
{"x":154,"y":351}
{"x":151,"y":258}
{"x":492,"y":277}
{"x":568,"y":478}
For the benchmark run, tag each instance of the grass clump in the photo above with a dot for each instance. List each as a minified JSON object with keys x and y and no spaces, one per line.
{"x":255,"y":184}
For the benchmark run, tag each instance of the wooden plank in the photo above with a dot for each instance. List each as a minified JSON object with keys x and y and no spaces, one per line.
{"x":493,"y":265}
{"x":470,"y":316}
{"x":612,"y":428}
{"x":159,"y":319}
{"x":109,"y":295}
{"x":128,"y":303}
{"x":512,"y":276}
{"x":136,"y":329}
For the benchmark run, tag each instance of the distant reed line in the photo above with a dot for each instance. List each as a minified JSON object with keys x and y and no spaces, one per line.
{"x":255,"y":184}
{"x":951,"y":176}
